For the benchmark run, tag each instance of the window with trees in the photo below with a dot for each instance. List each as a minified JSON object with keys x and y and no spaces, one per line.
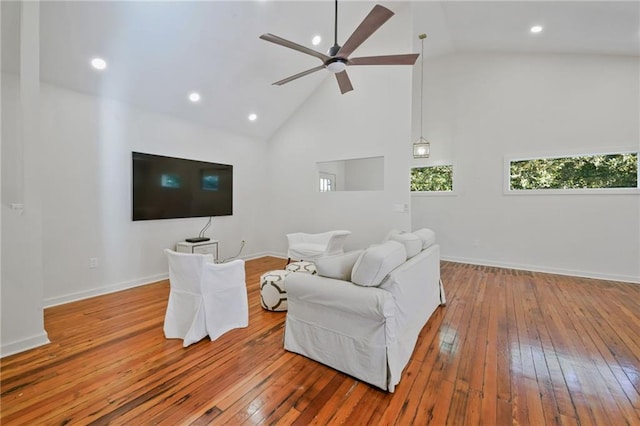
{"x":597,"y":171}
{"x":432,"y":179}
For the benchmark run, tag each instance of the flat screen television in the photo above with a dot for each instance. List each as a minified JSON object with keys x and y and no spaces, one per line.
{"x":169,"y":188}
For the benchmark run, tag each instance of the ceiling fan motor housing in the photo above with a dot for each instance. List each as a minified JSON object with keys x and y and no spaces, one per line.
{"x":333,"y":50}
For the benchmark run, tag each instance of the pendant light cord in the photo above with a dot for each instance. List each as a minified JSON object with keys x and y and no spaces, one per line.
{"x":422,"y":37}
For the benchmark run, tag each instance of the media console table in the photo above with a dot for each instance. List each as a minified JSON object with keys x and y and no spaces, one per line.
{"x":204,"y":247}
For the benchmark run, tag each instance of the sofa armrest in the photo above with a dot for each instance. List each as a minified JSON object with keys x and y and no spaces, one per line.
{"x":337,"y":295}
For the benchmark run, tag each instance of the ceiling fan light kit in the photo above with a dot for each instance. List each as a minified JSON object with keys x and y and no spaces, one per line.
{"x":336,"y":65}
{"x":337,"y":59}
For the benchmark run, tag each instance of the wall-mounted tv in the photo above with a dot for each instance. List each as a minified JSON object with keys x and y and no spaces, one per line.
{"x":168,"y":188}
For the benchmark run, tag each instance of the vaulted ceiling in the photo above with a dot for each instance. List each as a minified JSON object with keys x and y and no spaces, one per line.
{"x":158,"y":52}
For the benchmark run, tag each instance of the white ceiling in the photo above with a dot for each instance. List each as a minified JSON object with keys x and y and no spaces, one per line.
{"x":160,"y":51}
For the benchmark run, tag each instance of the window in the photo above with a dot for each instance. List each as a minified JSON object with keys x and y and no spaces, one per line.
{"x":432,"y":179}
{"x":594,"y":171}
{"x":327,"y":182}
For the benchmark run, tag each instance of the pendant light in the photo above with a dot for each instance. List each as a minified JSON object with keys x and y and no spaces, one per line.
{"x":421,"y":147}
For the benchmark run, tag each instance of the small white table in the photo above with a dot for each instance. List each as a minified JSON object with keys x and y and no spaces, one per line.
{"x":204,"y":247}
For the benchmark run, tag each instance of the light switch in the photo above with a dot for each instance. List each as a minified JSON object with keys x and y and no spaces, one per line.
{"x":401,"y":208}
{"x":19,"y":207}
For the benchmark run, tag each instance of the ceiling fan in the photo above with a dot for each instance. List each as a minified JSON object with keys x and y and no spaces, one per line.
{"x":337,"y":58}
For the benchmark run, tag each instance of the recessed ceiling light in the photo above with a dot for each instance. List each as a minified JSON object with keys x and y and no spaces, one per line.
{"x":253,"y":117}
{"x":98,"y":63}
{"x":536,"y":29}
{"x":316,"y":40}
{"x":194,"y":96}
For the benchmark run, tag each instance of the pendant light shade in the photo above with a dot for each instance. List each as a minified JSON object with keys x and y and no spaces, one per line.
{"x":421,"y":147}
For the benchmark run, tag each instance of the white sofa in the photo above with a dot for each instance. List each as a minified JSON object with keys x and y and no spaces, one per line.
{"x":364,"y":310}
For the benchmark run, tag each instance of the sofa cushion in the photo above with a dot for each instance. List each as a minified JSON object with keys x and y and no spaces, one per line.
{"x":376,"y":262}
{"x":391,"y":233}
{"x":338,"y":266}
{"x":412,"y":243}
{"x":427,"y":236}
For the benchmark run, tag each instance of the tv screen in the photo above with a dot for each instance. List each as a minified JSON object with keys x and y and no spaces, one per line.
{"x":168,"y":188}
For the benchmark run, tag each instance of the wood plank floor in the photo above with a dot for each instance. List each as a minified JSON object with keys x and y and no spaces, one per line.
{"x":510,"y":347}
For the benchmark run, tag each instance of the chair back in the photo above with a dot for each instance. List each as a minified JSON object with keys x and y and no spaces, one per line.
{"x":185,"y":271}
{"x":303,"y":246}
{"x":221,"y":276}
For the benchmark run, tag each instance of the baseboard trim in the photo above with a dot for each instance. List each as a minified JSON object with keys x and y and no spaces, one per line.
{"x":257,"y":255}
{"x":74,"y":297}
{"x":264,"y":254}
{"x":24,"y":344}
{"x":534,"y":268}
{"x":276,"y":254}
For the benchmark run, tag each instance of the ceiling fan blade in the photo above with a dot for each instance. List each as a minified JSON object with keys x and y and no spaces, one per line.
{"x":300,"y":74}
{"x":374,"y":20}
{"x":408,"y":59}
{"x":295,"y":46}
{"x":344,"y":82}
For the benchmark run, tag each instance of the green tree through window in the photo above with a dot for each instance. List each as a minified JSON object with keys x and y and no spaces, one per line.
{"x":580,"y":172}
{"x":433,"y":178}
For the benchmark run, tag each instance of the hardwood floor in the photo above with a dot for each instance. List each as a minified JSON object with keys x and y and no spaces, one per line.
{"x":510,"y":347}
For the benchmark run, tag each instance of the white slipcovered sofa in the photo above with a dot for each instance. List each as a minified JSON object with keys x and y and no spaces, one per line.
{"x":362,"y":313}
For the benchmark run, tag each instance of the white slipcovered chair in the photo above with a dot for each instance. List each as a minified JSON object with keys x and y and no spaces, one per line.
{"x":309,"y":247}
{"x":205,"y":298}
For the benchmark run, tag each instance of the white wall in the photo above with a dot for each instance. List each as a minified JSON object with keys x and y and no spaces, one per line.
{"x":481,"y":108}
{"x":87,"y":201}
{"x":21,"y":317}
{"x":372,"y":120}
{"x":364,"y":174}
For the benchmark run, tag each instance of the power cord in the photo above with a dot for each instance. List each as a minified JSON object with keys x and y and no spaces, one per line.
{"x":201,"y":234}
{"x":237,"y":255}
